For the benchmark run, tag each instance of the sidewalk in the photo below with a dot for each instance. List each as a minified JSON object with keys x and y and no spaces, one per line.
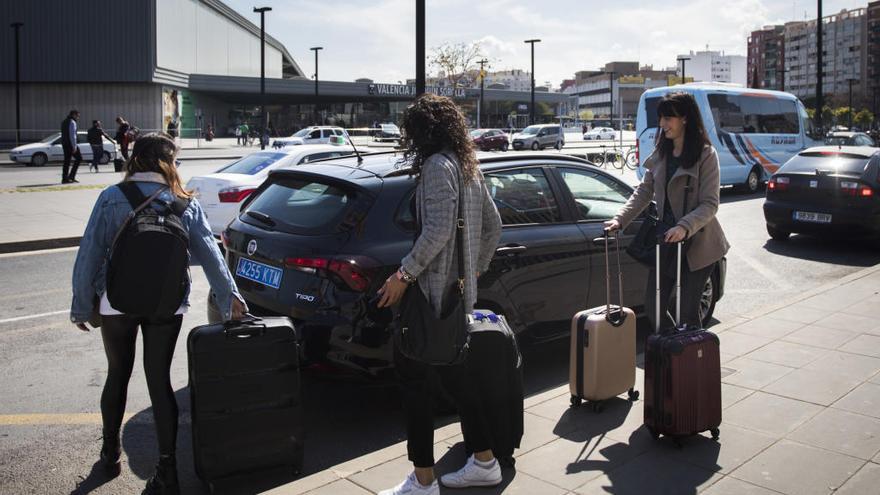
{"x":801,"y":399}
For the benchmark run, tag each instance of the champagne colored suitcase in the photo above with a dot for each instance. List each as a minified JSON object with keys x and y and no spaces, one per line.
{"x":602,"y":362}
{"x":682,"y":375}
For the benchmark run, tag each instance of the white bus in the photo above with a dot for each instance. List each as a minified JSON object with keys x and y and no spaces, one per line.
{"x":755,"y":131}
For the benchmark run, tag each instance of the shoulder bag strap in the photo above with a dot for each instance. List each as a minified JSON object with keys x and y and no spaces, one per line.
{"x":459,"y":225}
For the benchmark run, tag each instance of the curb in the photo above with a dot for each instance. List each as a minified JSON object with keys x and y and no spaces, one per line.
{"x":181,"y":158}
{"x":39,"y":244}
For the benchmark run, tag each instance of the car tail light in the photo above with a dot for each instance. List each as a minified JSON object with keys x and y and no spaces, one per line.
{"x":638,"y":161}
{"x":855,"y":189}
{"x":235,"y":194}
{"x":224,"y":239}
{"x":347,"y":270}
{"x":778,"y":184}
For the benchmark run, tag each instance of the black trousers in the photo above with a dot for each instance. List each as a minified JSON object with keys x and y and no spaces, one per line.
{"x":68,"y":173}
{"x":419,"y":384}
{"x":160,"y":337}
{"x":692,"y":284}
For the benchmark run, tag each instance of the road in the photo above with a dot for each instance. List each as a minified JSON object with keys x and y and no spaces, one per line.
{"x":53,"y":373}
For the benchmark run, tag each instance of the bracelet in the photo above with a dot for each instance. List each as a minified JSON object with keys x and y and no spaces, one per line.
{"x":405,"y":276}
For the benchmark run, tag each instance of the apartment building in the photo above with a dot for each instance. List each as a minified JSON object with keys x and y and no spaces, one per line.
{"x":616,"y":87}
{"x":714,"y":66}
{"x":766,"y":51}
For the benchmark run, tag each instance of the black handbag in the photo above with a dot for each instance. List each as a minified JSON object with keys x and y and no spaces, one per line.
{"x":422,"y":336}
{"x":641,"y":248}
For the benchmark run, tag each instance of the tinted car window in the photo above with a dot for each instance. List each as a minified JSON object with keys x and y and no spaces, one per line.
{"x":651,"y":112}
{"x":754,"y":114}
{"x":321,"y":156}
{"x":296,"y":205}
{"x":316,"y":134}
{"x":523,"y":196}
{"x":252,"y":164}
{"x":597,"y":197}
{"x":81,"y":139}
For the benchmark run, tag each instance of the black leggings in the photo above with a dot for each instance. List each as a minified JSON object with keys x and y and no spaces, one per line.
{"x":692,"y":285}
{"x":160,"y":337}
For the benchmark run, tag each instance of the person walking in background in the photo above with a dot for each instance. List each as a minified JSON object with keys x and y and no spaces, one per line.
{"x":71,"y":150}
{"x":122,"y":136}
{"x":172,"y":128}
{"x":238,"y":135}
{"x":95,"y":137}
{"x":441,"y":156}
{"x":684,"y":178}
{"x":245,"y":133}
{"x":151,"y":179}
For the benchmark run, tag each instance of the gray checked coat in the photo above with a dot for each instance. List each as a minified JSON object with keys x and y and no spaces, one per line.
{"x":433,"y":256}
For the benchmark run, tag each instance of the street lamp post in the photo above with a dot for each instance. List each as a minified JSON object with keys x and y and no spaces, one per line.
{"x":532,"y":106}
{"x":482,"y":85}
{"x":819,"y":68}
{"x":316,"y":49}
{"x":611,"y":98}
{"x":850,"y":81}
{"x":262,"y":11}
{"x":17,"y":26}
{"x":420,"y":47}
{"x":683,"y":61}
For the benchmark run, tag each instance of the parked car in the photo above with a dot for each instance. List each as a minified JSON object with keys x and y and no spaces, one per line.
{"x":222,"y":192}
{"x":316,"y":242}
{"x":312,"y":135}
{"x":490,"y":139}
{"x":387,"y":132}
{"x":826,"y":189}
{"x":538,"y":137}
{"x":50,"y":150}
{"x":600,"y":133}
{"x":845,"y":138}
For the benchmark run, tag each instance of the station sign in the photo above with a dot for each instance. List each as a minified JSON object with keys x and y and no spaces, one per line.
{"x":406,"y":90}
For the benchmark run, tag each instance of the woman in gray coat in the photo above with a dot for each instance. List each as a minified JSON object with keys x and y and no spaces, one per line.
{"x":442,"y":156}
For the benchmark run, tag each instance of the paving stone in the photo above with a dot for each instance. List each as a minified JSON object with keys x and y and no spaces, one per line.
{"x":770,"y":414}
{"x":754,"y":374}
{"x":305,"y":485}
{"x":768,"y":327}
{"x":787,"y":354}
{"x":545,"y":396}
{"x":846,"y":363}
{"x":390,"y":473}
{"x":819,"y":336}
{"x":841,"y":431}
{"x":797,"y":469}
{"x":341,"y":487}
{"x":733,"y":486}
{"x":731,"y":394}
{"x":851,"y":322}
{"x":867,"y":480}
{"x":739,"y":343}
{"x":653,"y":473}
{"x":515,"y":483}
{"x":869,"y":345}
{"x":817,"y":387}
{"x":734,"y":447}
{"x":799,"y":313}
{"x":865,"y":400}
{"x":537,"y":431}
{"x":570,"y":464}
{"x":867,"y":307}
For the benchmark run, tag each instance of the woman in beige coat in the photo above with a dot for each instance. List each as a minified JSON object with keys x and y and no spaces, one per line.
{"x":682,"y":176}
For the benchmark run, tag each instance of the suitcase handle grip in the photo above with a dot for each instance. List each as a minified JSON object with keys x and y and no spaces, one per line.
{"x":245,"y":328}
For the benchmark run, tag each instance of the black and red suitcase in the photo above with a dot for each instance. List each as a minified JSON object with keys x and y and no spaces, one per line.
{"x":247,"y":410}
{"x":682,"y":374}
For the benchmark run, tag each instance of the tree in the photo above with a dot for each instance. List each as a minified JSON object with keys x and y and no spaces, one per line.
{"x":841,"y":115}
{"x":456,"y":61}
{"x":811,"y":113}
{"x":586,"y":115}
{"x":863,"y":118}
{"x":827,"y":116}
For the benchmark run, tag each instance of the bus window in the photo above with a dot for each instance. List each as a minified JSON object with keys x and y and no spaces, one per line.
{"x":651,"y":112}
{"x":754,"y":114}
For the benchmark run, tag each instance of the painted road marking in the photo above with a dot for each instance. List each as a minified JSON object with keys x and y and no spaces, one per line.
{"x":31,"y":317}
{"x":40,"y":419}
{"x":40,"y":251}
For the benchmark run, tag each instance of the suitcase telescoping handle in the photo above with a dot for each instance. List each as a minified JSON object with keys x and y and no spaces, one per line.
{"x":609,"y":315}
{"x":657,"y":321}
{"x":245,"y":328}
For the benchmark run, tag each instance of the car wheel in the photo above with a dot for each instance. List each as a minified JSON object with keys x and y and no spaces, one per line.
{"x":105,"y":158}
{"x":39,"y":159}
{"x":535,"y":146}
{"x":708,"y":298}
{"x":504,"y":146}
{"x":753,"y":181}
{"x":777,"y":234}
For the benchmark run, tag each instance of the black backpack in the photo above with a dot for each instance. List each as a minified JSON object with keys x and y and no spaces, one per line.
{"x":148,"y":268}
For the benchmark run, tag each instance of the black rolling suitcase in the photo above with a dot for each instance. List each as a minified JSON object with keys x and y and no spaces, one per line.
{"x":118,"y":163}
{"x":245,"y":391}
{"x":494,"y":371}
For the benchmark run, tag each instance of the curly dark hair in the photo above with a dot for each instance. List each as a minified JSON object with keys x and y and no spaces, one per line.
{"x":431,"y":124}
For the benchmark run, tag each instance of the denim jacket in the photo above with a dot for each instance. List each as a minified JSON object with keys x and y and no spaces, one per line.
{"x":110,"y":210}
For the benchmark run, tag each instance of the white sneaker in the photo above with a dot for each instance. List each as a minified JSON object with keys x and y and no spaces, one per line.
{"x":411,"y":486}
{"x":472,"y":474}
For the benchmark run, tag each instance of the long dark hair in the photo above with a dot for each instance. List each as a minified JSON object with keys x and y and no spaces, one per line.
{"x":156,"y":152}
{"x":682,"y":104}
{"x":431,"y":124}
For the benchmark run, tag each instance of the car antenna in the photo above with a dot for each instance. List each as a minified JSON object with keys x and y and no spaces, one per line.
{"x":356,"y":152}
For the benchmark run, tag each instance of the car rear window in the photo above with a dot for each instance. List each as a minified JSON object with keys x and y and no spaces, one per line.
{"x":252,"y":164}
{"x":825,"y":161}
{"x":300,"y":205}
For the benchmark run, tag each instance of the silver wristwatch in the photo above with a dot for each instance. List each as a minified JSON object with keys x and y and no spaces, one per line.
{"x":406,"y":277}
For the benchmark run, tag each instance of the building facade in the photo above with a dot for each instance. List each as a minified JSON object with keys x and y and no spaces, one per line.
{"x":765,"y":58}
{"x":616,"y":88}
{"x":713,"y":66}
{"x":873,"y":57}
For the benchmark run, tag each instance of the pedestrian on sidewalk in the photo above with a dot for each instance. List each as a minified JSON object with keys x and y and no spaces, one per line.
{"x":442,"y":156}
{"x":70,"y":148}
{"x":95,"y":136}
{"x":683,"y":177}
{"x":152,"y":171}
{"x":245,"y":133}
{"x":237,"y":135}
{"x":122,"y":138}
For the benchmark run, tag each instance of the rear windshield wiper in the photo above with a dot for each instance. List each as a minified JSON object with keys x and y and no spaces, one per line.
{"x":262,"y":217}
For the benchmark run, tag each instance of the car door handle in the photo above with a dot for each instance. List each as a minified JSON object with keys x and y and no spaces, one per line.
{"x":510,"y":250}
{"x":599,"y":241}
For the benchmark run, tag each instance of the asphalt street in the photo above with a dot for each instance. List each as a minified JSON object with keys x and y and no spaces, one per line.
{"x":53,"y":373}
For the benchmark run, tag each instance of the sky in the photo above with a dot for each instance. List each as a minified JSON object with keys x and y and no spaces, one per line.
{"x":376,"y":38}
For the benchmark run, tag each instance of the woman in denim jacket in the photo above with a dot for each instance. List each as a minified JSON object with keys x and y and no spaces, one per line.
{"x":152,"y":167}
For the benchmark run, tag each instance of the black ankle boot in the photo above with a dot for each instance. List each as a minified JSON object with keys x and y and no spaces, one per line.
{"x":110,"y":453}
{"x":164,"y":481}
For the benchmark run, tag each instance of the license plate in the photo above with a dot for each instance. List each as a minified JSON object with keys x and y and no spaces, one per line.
{"x":806,"y":216}
{"x":258,"y":272}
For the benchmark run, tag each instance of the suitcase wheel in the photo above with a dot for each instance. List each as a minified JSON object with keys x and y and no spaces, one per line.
{"x":633,"y":394}
{"x":598,"y":407}
{"x":715,"y":433}
{"x":575,"y":401}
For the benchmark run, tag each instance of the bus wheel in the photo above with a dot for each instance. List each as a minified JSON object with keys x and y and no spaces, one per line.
{"x":753,"y":181}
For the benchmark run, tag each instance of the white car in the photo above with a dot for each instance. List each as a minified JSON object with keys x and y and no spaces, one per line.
{"x":600,"y":133}
{"x":222,"y":192}
{"x":312,"y":135}
{"x":50,"y":150}
{"x":387,"y":132}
